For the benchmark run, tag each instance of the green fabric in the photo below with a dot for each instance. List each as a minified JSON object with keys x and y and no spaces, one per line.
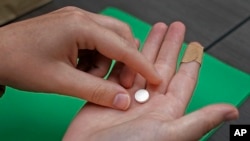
{"x":33,"y":116}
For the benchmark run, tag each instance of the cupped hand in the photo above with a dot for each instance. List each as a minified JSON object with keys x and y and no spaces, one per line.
{"x":42,"y":54}
{"x":162,"y":118}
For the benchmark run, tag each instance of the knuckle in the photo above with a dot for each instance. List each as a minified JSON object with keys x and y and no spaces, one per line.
{"x":126,"y":27}
{"x":124,"y":30}
{"x":74,"y":13}
{"x":76,"y":20}
{"x":70,"y":8}
{"x":189,"y":75}
{"x":123,"y":56}
{"x":97,"y":94}
{"x":119,"y":26}
{"x":127,"y":30}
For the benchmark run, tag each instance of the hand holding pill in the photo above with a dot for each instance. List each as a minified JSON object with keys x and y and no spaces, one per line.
{"x":68,"y":52}
{"x":162,"y":116}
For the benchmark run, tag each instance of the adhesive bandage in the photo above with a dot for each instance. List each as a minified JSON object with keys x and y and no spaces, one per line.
{"x":194,"y":52}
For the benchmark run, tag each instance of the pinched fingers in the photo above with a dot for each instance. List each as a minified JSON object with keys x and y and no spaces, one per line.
{"x":123,"y":30}
{"x":114,"y":47}
{"x":149,"y":51}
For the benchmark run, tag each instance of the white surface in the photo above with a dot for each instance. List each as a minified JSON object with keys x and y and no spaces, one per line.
{"x":141,"y":95}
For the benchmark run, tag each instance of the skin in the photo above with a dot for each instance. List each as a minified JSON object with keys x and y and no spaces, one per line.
{"x":41,"y":54}
{"x":162,"y":117}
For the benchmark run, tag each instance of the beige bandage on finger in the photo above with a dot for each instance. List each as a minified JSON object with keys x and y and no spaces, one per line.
{"x":194,"y":52}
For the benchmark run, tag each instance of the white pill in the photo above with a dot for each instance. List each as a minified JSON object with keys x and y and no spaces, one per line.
{"x":141,"y":96}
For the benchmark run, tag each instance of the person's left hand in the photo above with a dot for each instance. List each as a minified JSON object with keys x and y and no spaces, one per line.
{"x":41,"y":54}
{"x":162,"y":117}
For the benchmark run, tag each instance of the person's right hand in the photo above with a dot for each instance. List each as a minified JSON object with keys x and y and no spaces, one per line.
{"x":162,"y":117}
{"x":41,"y":54}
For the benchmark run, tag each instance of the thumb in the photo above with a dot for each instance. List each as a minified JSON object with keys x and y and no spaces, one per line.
{"x":93,"y":89}
{"x":198,"y":123}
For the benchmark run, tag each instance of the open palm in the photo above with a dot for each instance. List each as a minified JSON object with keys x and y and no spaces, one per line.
{"x":162,"y":117}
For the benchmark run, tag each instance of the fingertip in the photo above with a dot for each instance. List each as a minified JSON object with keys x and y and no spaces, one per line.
{"x":178,"y":24}
{"x":122,"y":101}
{"x":228,"y":111}
{"x":160,"y":25}
{"x":137,"y":42}
{"x":157,"y":80}
{"x":231,"y":112}
{"x":232,"y":115}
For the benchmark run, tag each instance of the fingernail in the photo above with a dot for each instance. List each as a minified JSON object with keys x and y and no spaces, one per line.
{"x":232,"y":115}
{"x":121,"y":101}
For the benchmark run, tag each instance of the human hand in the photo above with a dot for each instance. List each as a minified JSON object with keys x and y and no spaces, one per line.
{"x":40,"y":54}
{"x":162,"y":117}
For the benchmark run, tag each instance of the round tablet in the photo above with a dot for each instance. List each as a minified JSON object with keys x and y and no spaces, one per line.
{"x":141,"y":95}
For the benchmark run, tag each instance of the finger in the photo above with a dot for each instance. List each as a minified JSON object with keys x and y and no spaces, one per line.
{"x":126,"y":76}
{"x":151,"y":48}
{"x":122,"y":74}
{"x":123,"y":30}
{"x":119,"y":27}
{"x":196,"y":124}
{"x":72,"y":82}
{"x":154,"y":41}
{"x":167,"y":57}
{"x":115,"y":47}
{"x":183,"y":83}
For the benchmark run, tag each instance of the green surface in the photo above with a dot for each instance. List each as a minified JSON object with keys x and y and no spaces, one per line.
{"x":32,"y":116}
